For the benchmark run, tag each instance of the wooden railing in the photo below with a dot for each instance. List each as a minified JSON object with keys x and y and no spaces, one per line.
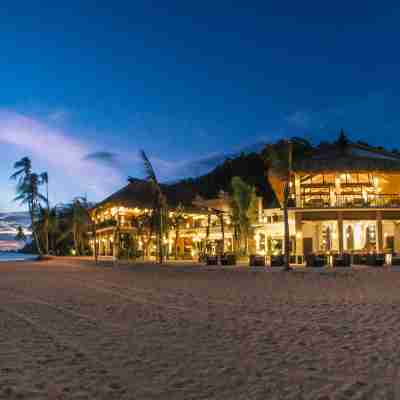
{"x":346,"y":201}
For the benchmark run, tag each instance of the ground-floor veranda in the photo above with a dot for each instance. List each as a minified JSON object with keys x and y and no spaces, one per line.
{"x":187,"y":245}
{"x":336,"y":231}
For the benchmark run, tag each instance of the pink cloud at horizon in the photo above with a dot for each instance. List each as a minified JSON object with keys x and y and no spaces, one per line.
{"x":62,"y":155}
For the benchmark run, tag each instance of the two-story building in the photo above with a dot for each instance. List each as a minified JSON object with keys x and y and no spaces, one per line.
{"x":123,"y":223}
{"x":344,"y":198}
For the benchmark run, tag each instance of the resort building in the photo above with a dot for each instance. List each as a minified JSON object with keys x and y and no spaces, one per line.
{"x":344,"y":198}
{"x":123,"y":225}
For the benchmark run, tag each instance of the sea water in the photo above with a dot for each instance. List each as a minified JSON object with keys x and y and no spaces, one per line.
{"x":9,"y":256}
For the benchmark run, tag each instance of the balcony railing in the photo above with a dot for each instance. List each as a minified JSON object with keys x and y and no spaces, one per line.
{"x":112,"y":223}
{"x":346,"y":201}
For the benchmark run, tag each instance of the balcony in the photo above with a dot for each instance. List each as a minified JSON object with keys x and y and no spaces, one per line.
{"x":346,"y":201}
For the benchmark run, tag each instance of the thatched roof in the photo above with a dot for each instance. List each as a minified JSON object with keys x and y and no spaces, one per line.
{"x":349,"y":157}
{"x":217,"y":204}
{"x":139,"y":193}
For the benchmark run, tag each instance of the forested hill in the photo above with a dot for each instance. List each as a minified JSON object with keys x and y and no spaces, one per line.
{"x":250,"y":167}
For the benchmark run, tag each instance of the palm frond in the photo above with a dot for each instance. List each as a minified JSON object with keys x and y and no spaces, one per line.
{"x":44,"y":177}
{"x":148,"y":168}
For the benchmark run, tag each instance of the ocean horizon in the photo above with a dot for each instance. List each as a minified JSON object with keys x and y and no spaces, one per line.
{"x":15,"y":256}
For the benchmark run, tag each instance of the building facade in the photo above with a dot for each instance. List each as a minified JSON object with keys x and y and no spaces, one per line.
{"x":343,"y":199}
{"x":123,"y":225}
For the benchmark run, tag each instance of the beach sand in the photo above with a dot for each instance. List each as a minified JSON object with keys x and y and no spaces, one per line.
{"x":73,"y":330}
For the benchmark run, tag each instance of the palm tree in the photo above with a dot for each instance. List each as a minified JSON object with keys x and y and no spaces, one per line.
{"x":159,"y":204}
{"x":279,"y":158}
{"x":76,"y":220}
{"x":20,"y":235}
{"x":144,"y":229}
{"x":222,"y":225}
{"x":244,"y":207}
{"x":48,"y":227}
{"x":176,"y":220}
{"x":28,"y":193}
{"x":44,"y":178}
{"x":208,"y":232}
{"x":23,"y":169}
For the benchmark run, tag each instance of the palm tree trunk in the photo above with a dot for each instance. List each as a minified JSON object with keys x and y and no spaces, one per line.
{"x":34,"y":232}
{"x":46,"y":238}
{"x":221,"y":217}
{"x":235,"y":239}
{"x":76,"y":244}
{"x":208,"y":231}
{"x":95,"y":242}
{"x":176,"y":241}
{"x":286,"y":228}
{"x":160,"y":238}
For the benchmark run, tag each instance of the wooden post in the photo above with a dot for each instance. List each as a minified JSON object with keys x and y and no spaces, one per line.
{"x":221,"y":218}
{"x":299,"y":234}
{"x":379,"y":242}
{"x":340,"y":231}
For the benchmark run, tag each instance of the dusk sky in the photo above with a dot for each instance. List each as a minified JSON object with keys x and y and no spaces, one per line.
{"x":86,"y":85}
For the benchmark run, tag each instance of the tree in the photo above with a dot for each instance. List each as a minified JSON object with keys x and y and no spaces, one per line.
{"x":76,"y":223}
{"x":144,"y":226}
{"x":159,"y":207}
{"x":222,"y":224}
{"x":208,"y":247}
{"x":48,"y":227}
{"x":28,"y":193}
{"x":176,"y":221}
{"x":23,"y":169}
{"x":44,"y":178}
{"x":20,"y":235}
{"x":279,"y":158}
{"x":244,"y":209}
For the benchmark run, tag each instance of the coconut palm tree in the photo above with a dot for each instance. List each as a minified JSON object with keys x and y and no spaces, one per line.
{"x":44,"y":178}
{"x":28,"y":193}
{"x":23,"y":169}
{"x":20,"y":236}
{"x":144,"y":226}
{"x":76,"y":221}
{"x":159,"y":209}
{"x":244,"y":208}
{"x":222,"y":225}
{"x":279,"y":159}
{"x":176,"y":220}
{"x":208,"y":233}
{"x":48,"y":227}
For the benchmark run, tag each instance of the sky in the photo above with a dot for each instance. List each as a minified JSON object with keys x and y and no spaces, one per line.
{"x":86,"y":85}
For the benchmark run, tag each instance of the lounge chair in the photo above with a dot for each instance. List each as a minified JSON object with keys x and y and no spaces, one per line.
{"x":277,"y":261}
{"x":341,"y":260}
{"x":376,"y":260}
{"x":228,"y":259}
{"x":256,"y":260}
{"x":212,"y":260}
{"x":314,"y":260}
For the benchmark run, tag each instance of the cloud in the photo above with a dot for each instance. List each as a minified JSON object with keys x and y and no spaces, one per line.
{"x":58,"y":116}
{"x":371,"y":118}
{"x":105,"y":157}
{"x":61,"y":154}
{"x":300,"y":119}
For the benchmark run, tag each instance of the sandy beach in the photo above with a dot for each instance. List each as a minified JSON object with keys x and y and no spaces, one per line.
{"x":73,"y":330}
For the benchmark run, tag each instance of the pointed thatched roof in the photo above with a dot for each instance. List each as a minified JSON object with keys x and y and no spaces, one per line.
{"x":348,"y":157}
{"x":140,"y":193}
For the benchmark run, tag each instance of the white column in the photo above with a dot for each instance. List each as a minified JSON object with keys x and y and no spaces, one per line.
{"x":379,"y":232}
